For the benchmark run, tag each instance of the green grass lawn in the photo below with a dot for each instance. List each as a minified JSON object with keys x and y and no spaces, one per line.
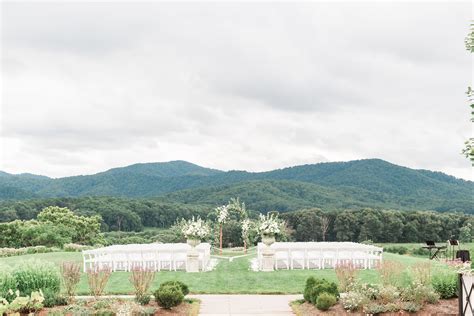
{"x":227,"y":278}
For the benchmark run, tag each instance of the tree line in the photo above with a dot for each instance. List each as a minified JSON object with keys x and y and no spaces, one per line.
{"x":132,"y":215}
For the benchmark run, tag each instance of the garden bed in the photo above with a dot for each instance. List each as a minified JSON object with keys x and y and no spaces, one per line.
{"x":121,"y":307}
{"x":443,"y":307}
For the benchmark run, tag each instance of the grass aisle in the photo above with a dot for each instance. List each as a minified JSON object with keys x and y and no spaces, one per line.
{"x":233,"y":277}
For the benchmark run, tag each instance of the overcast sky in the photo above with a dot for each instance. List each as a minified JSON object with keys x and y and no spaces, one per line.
{"x":91,"y":86}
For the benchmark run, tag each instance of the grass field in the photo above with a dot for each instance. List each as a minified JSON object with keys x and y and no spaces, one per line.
{"x":229,"y":277}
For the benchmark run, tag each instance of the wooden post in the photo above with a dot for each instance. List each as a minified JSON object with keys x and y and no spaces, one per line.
{"x":220,"y":239}
{"x":460,"y":294}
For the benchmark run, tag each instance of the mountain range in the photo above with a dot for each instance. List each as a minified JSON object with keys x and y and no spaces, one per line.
{"x":358,"y":183}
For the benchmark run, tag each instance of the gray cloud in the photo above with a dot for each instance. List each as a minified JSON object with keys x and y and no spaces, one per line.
{"x":88,"y":86}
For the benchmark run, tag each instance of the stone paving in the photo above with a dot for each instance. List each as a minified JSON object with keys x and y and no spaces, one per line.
{"x":246,"y":304}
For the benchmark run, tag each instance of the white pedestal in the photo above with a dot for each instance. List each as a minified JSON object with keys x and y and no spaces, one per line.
{"x":192,"y":261}
{"x":268,"y":259}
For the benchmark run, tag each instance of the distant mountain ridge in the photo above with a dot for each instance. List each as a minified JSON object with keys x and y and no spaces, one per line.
{"x":369,"y":182}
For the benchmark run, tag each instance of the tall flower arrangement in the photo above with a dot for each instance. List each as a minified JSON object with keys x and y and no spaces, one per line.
{"x":222,"y":215}
{"x":269,"y":225}
{"x":195,"y":229}
{"x":246,"y":225}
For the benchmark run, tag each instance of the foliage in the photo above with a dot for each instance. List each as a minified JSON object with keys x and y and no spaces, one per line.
{"x":184,"y":288}
{"x":22,"y":304}
{"x":325,"y":301}
{"x":141,"y":280}
{"x":465,"y":233}
{"x":346,"y":275}
{"x":9,"y":252}
{"x":390,"y":272}
{"x":323,"y":287}
{"x":422,"y":272}
{"x":401,"y":250}
{"x":7,"y":283}
{"x":71,"y":275}
{"x":419,"y":293}
{"x":445,"y":284}
{"x":84,"y":229}
{"x":411,"y":307}
{"x":33,"y":276}
{"x":169,"y":296}
{"x":97,"y":280}
{"x":354,"y":300}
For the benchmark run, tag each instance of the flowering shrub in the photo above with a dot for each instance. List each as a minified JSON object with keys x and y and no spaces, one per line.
{"x":353,"y":300}
{"x":195,"y":229}
{"x":269,"y":224}
{"x":346,"y":275}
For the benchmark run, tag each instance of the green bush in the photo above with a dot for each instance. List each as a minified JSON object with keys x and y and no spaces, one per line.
{"x":36,"y":275}
{"x":419,"y":293}
{"x":7,"y":282}
{"x":411,"y":307}
{"x":420,"y":252}
{"x":325,"y":301}
{"x":401,"y":250}
{"x":445,"y":284}
{"x":310,"y":283}
{"x":184,"y":287}
{"x":318,"y":289}
{"x":169,"y":296}
{"x":143,"y":299}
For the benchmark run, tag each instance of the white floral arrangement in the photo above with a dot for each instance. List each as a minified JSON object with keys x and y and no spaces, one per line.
{"x":268,"y":225}
{"x":222,"y":213}
{"x":245,"y":228}
{"x":195,"y":229}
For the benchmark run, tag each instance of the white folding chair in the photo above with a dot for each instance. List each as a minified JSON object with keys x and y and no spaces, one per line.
{"x":297,"y":256}
{"x":282,"y":256}
{"x":314,"y":256}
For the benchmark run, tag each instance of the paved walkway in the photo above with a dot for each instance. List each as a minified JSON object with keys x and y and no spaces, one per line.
{"x":246,"y":304}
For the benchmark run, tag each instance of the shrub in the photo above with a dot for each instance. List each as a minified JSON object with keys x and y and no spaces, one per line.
{"x":346,"y":275}
{"x":7,"y":283}
{"x":169,"y":296}
{"x":71,"y":275}
{"x":354,"y":300}
{"x":318,"y":289}
{"x":445,"y":284}
{"x":310,"y":283}
{"x":374,"y":308}
{"x":23,"y":304}
{"x":143,"y":299}
{"x":401,"y":250}
{"x":420,"y":252}
{"x":411,"y":307}
{"x":35,"y":276}
{"x":390,"y":272}
{"x":325,"y":301}
{"x":418,"y":293}
{"x":141,"y":280}
{"x":184,"y":287}
{"x":75,"y":247}
{"x":388,"y":294}
{"x":97,"y":280}
{"x":422,"y":272}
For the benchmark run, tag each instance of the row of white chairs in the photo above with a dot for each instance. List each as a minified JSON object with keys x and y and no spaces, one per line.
{"x":155,"y":257}
{"x":323,"y":255}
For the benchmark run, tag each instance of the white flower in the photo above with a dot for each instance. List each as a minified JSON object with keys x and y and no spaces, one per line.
{"x":245,"y":228}
{"x":268,"y":224}
{"x":195,"y":229}
{"x":222,"y":213}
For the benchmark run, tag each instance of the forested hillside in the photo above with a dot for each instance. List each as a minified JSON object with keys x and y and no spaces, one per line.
{"x":337,"y":185}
